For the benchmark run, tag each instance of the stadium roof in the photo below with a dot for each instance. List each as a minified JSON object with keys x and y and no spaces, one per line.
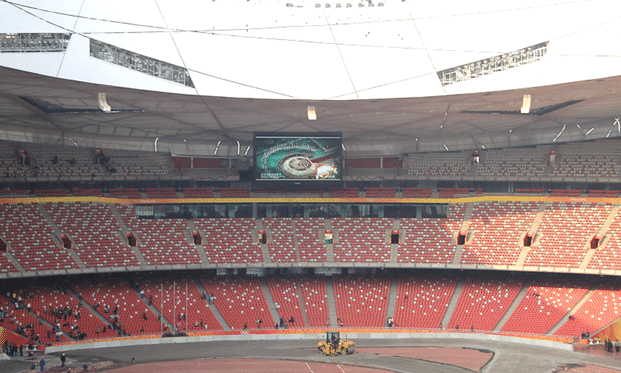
{"x":36,"y":108}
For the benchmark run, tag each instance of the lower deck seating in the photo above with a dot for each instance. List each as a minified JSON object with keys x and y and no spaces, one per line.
{"x":422,"y":302}
{"x":602,"y":307}
{"x":62,"y":309}
{"x":543,"y":306}
{"x":241,"y":302}
{"x":19,"y":319}
{"x":314,"y":294}
{"x":287,"y":301}
{"x":131,"y":311}
{"x":180,"y":303}
{"x":482,"y":303}
{"x":361,"y":301}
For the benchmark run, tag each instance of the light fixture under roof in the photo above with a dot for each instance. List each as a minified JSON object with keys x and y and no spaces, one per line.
{"x":525,"y":104}
{"x":103,"y":102}
{"x":312,"y":115}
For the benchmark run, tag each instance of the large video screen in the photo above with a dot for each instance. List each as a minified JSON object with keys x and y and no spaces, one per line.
{"x":298,"y":157}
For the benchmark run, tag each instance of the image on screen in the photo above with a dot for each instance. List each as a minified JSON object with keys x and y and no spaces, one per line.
{"x":298,"y":157}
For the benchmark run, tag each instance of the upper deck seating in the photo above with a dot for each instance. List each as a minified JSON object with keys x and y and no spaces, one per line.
{"x":30,"y":236}
{"x":497,"y":230}
{"x":230,"y":240}
{"x":162,"y":241}
{"x":282,"y":242}
{"x":310,"y":245}
{"x":95,"y":233}
{"x":362,"y":239}
{"x":565,"y":230}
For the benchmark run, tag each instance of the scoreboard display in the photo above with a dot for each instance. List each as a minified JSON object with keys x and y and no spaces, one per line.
{"x":312,"y":157}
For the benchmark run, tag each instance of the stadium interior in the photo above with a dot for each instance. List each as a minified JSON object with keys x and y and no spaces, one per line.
{"x":146,"y":194}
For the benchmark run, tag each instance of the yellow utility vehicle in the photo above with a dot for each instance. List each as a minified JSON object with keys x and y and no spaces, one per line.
{"x":335,"y":345}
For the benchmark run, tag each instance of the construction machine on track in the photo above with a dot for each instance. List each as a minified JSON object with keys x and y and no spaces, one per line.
{"x":334,"y":345}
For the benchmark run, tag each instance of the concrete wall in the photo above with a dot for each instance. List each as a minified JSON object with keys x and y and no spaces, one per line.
{"x":418,"y":337}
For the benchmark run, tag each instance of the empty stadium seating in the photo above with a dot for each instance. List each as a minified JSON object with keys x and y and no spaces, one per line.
{"x":381,"y":192}
{"x":361,"y":300}
{"x":95,"y":233}
{"x":430,"y":240}
{"x":131,"y":163}
{"x":417,"y":192}
{"x":608,"y":255}
{"x":576,"y":160}
{"x":310,"y":245}
{"x":543,"y":306}
{"x":497,"y":230}
{"x":601,"y":308}
{"x":586,"y":165}
{"x":362,"y":239}
{"x":87,"y":192}
{"x":163,"y":241}
{"x":482,"y":303}
{"x":422,"y":302}
{"x":31,"y":237}
{"x":344,"y":192}
{"x":125,"y":192}
{"x":281,"y":245}
{"x":565,"y":230}
{"x":198,"y":192}
{"x":315,"y":297}
{"x":161,"y":192}
{"x":234,"y":192}
{"x":521,"y":162}
{"x":439,"y":164}
{"x":230,"y":240}
{"x":6,"y":266}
